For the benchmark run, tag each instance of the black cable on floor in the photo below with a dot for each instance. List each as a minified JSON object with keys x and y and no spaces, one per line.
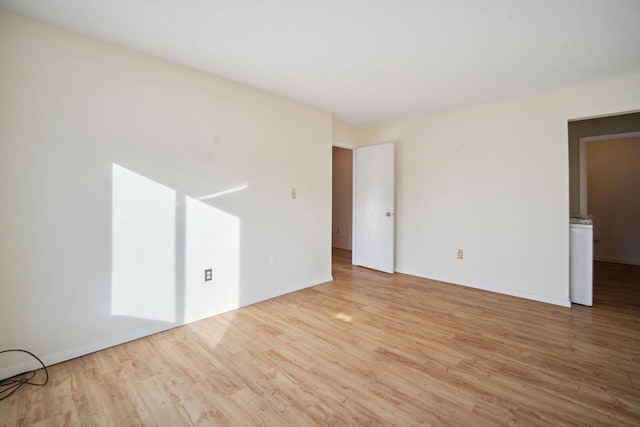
{"x":9,"y":386}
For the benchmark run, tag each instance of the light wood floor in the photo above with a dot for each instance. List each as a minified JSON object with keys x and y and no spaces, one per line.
{"x":368,"y":349}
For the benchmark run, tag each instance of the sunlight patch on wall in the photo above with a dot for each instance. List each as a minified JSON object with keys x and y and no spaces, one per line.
{"x":223,"y":192}
{"x":143,"y":247}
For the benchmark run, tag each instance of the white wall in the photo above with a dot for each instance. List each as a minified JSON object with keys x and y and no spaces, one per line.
{"x":122,"y":177}
{"x":613,"y":197}
{"x":493,"y":180}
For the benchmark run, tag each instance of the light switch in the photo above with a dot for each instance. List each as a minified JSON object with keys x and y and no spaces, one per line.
{"x":293,"y":192}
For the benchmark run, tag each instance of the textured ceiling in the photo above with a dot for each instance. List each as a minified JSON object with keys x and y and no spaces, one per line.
{"x":370,"y":62}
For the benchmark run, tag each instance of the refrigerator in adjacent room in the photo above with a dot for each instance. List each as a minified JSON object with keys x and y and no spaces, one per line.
{"x":581,"y":261}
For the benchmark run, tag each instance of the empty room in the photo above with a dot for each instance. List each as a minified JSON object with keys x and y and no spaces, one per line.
{"x":319,"y":213}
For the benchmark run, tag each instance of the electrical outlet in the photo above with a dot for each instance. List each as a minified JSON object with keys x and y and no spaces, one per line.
{"x":460,"y":254}
{"x":208,"y":274}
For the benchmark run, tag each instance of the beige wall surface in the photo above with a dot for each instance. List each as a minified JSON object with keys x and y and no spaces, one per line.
{"x":123,"y":177}
{"x":345,"y":133}
{"x":613,"y":197}
{"x":342,"y":198}
{"x":493,"y":180}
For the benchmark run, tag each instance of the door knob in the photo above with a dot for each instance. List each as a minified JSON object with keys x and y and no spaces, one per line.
{"x":389,"y":213}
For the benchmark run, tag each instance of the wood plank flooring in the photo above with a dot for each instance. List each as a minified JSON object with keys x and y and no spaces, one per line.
{"x":368,"y":349}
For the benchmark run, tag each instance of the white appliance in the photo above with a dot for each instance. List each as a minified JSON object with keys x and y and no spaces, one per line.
{"x":581,"y":261}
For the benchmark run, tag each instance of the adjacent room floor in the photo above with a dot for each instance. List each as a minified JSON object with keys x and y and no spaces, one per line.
{"x":366,"y":349}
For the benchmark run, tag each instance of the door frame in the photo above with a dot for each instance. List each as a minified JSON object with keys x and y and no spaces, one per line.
{"x":354,"y":207}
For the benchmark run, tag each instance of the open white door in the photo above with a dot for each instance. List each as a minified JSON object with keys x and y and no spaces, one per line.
{"x":373,"y":210}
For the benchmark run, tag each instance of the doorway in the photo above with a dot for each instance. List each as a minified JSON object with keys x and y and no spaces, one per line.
{"x":601,"y":190}
{"x":609,"y":182}
{"x":342,"y":205}
{"x":583,"y":128}
{"x":342,"y":199}
{"x":363,"y":213}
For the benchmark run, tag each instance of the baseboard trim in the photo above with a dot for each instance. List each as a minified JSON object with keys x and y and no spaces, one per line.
{"x":63,"y":356}
{"x":342,"y":247}
{"x":618,"y":261}
{"x":510,"y":292}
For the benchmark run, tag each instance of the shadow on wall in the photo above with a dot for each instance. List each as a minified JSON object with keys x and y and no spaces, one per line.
{"x":162,"y":242}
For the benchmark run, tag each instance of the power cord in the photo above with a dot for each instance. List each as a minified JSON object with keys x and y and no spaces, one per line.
{"x":9,"y":386}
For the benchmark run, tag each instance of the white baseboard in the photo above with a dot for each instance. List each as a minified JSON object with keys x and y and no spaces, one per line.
{"x":52,"y":359}
{"x":618,"y":261}
{"x":63,"y":356}
{"x":510,"y":292}
{"x":295,"y":288}
{"x":341,"y":246}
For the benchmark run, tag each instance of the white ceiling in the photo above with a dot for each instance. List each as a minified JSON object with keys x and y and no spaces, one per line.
{"x":373,"y":61}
